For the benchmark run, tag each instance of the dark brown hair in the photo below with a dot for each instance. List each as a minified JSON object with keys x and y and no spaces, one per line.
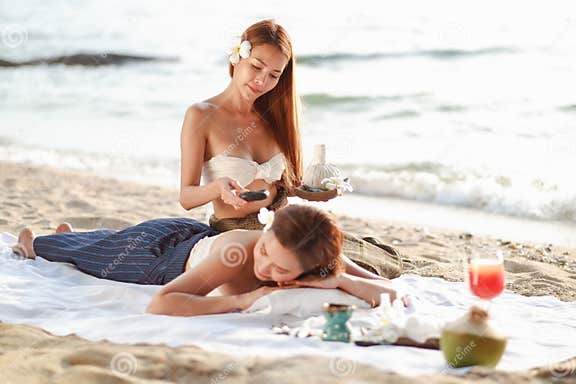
{"x":313,"y":236}
{"x":280,"y":107}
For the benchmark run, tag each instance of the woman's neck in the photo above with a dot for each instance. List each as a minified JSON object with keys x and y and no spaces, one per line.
{"x":235,"y":103}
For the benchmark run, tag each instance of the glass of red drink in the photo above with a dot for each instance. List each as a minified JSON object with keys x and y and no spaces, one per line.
{"x":486,"y":274}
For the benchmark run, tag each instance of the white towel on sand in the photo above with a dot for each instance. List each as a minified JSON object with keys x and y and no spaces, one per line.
{"x":59,"y":298}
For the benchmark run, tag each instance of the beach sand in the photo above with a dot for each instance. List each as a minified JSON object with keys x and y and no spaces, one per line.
{"x":41,"y":198}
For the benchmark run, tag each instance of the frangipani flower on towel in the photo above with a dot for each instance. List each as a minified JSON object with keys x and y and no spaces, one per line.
{"x":266,"y":217}
{"x":241,"y":50}
{"x":339,"y":183}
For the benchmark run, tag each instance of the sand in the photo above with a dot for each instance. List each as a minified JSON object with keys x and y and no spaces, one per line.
{"x":41,"y":198}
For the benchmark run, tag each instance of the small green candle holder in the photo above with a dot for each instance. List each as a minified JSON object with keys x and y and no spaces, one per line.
{"x":336,"y":327}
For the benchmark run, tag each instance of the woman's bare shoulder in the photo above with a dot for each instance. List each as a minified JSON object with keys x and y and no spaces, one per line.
{"x":229,"y":255}
{"x":203,"y":111}
{"x":238,"y":237}
{"x":198,"y":117}
{"x":201,"y":108}
{"x":205,"y":105}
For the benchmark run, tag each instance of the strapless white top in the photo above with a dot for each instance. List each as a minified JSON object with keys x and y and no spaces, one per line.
{"x":243,"y":170}
{"x":200,"y":251}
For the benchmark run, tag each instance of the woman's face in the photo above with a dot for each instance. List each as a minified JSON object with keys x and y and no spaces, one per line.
{"x":273,"y":262}
{"x":259,"y":73}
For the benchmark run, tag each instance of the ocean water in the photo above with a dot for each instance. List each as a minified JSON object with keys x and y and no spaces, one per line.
{"x":447,"y":104}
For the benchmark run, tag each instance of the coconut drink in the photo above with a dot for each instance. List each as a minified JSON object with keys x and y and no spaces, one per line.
{"x":472,"y":340}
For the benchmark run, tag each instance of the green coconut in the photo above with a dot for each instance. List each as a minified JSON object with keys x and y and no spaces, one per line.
{"x":472,"y":340}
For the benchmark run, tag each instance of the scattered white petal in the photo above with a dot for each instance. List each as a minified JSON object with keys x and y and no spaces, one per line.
{"x":266,"y":217}
{"x":337,"y":182}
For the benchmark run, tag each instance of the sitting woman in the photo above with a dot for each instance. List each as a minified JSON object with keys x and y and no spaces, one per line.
{"x":247,"y":138}
{"x":300,"y":247}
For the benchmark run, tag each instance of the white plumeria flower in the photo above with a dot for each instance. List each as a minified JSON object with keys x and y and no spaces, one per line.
{"x":337,"y":182}
{"x":240,"y":51}
{"x":266,"y":217}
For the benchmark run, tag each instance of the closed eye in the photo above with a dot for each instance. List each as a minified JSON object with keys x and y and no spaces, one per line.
{"x":258,"y":68}
{"x":282,"y":270}
{"x":279,"y":269}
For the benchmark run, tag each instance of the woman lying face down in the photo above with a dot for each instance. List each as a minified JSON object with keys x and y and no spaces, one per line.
{"x":302,"y":248}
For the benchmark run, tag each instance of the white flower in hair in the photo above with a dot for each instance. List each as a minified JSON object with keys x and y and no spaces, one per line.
{"x":241,"y":50}
{"x":266,"y":217}
{"x":337,"y":182}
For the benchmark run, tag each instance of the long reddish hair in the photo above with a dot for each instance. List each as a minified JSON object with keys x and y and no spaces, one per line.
{"x":280,"y":107}
{"x":313,"y":236}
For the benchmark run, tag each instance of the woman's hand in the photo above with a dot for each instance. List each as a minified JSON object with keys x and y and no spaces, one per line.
{"x":327,"y":282}
{"x":247,"y":299}
{"x":368,"y":290}
{"x":290,"y":191}
{"x":229,"y":191}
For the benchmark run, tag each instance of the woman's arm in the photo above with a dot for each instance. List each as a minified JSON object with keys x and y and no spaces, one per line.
{"x":193,"y":147}
{"x":366,"y":289}
{"x":186,"y":295}
{"x":184,"y":304}
{"x":192,"y":151}
{"x":354,"y":269}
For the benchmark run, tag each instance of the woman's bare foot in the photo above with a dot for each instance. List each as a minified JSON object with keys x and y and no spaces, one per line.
{"x":25,"y":247}
{"x":64,"y":227}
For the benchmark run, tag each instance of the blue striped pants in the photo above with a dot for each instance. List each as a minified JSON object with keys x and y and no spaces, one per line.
{"x":153,"y":252}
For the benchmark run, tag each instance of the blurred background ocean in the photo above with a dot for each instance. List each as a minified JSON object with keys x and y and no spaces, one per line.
{"x":446,"y":113}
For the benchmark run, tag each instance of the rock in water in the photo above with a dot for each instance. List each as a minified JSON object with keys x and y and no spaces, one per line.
{"x":87,"y":59}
